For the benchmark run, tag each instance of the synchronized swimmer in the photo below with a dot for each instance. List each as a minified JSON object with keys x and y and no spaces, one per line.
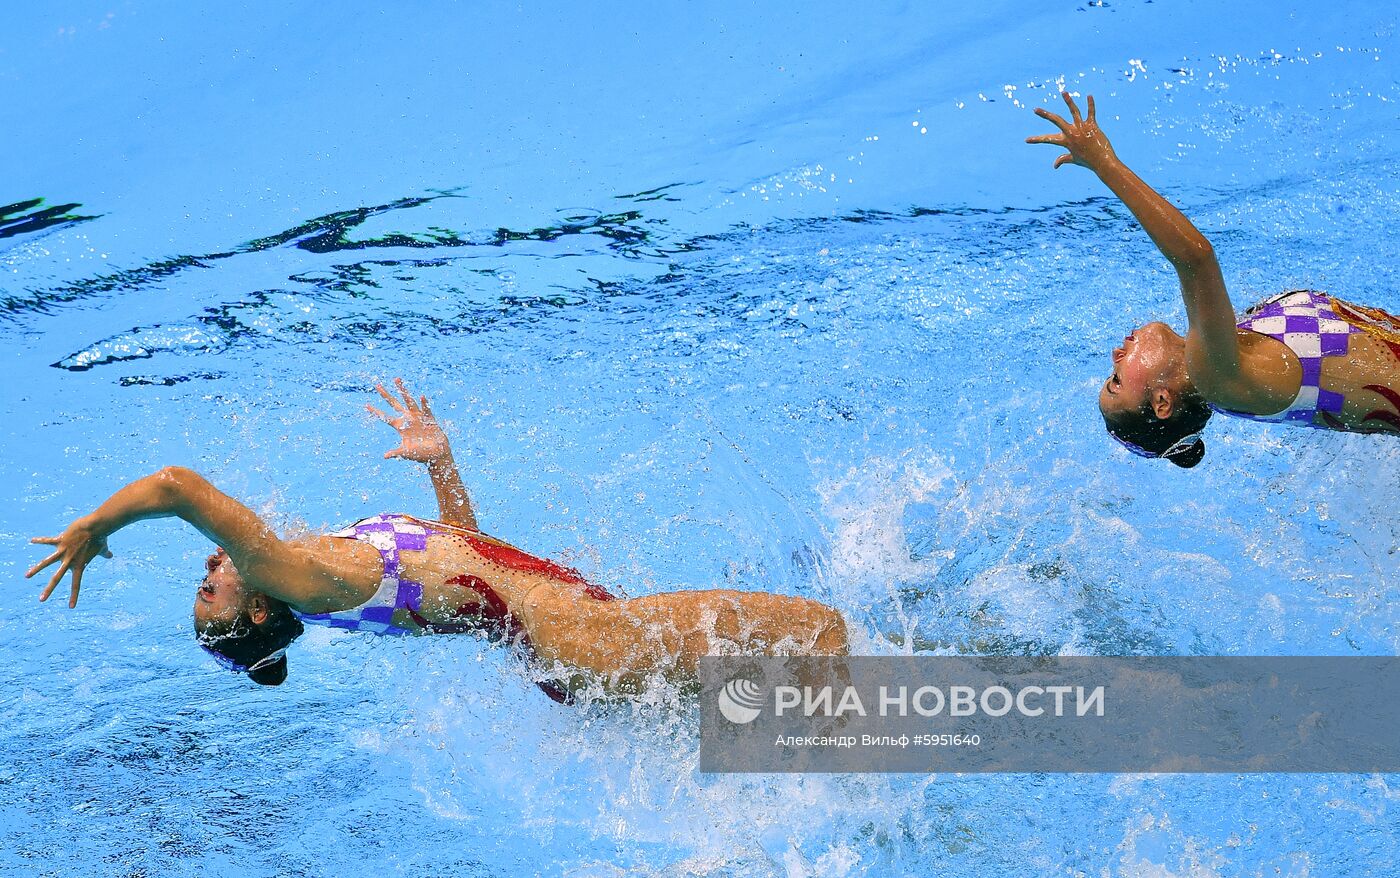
{"x":398,"y":574}
{"x":1301,"y":357}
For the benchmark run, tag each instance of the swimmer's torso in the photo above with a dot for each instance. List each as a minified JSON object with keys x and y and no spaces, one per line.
{"x":433,"y":577}
{"x":1347,"y":374}
{"x":416,"y":576}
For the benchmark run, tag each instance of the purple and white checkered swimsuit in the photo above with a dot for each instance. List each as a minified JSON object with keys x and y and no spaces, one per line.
{"x":390,"y":534}
{"x":1303,"y":320}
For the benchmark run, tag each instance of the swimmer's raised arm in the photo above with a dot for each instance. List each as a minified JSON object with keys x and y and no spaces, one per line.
{"x":422,"y":439}
{"x":281,"y":569}
{"x":1212,"y":349}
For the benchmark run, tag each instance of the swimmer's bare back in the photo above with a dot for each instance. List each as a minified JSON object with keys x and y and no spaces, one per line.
{"x":469,"y":582}
{"x":565,"y":619}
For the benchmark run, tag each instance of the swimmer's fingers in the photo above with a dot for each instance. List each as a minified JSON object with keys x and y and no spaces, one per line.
{"x":1089,"y":102}
{"x":77,"y":583}
{"x":1073,"y":110}
{"x":389,"y":398}
{"x":53,"y":582}
{"x":1053,"y":119}
{"x":47,"y":541}
{"x":408,"y":402}
{"x":396,"y":423}
{"x":1056,"y":140}
{"x":423,"y":404}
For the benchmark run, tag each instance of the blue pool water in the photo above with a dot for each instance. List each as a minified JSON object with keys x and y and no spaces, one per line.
{"x":768,"y":296}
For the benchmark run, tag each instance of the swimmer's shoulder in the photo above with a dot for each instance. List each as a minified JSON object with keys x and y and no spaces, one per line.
{"x":324,"y":573}
{"x":1270,"y":374}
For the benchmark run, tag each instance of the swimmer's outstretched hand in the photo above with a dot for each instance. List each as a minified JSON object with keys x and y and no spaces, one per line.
{"x":420,"y":437}
{"x":1087,"y":144}
{"x":77,"y":546}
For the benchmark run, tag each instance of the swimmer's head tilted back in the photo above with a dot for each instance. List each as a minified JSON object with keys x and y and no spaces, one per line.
{"x":1149,"y":403}
{"x":245,"y":630}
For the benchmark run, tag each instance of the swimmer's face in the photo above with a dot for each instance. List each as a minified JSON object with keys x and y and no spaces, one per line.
{"x":220,"y":594}
{"x":1147,"y":358}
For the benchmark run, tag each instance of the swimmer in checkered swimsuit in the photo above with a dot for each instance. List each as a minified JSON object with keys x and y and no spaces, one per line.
{"x":1302,"y":357}
{"x":397,"y":574}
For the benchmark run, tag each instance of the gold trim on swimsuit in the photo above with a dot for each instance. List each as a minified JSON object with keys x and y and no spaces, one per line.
{"x":1372,"y":321}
